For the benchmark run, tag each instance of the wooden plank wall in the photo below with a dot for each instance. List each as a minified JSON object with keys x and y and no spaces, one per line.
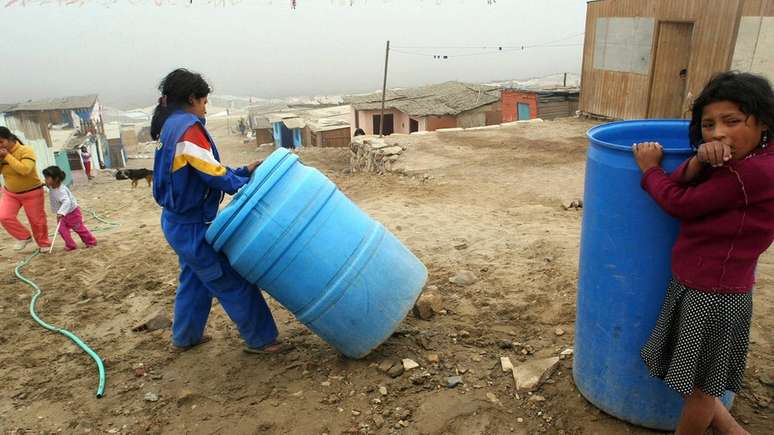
{"x":758,"y":8}
{"x":626,"y":95}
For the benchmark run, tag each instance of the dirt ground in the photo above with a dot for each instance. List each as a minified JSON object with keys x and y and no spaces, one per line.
{"x":487,"y":201}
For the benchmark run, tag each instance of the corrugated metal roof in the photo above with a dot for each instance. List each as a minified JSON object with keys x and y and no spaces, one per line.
{"x":450,"y":98}
{"x":294,"y":122}
{"x":66,"y":103}
{"x":261,"y":122}
{"x":278,"y":117}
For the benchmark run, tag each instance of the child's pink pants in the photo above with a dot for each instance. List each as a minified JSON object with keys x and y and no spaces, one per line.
{"x":74,"y":221}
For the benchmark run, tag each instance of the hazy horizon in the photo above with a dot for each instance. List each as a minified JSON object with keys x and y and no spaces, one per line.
{"x":120,"y":49}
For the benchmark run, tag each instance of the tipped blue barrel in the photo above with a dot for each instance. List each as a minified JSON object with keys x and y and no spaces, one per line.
{"x":291,"y":232}
{"x":626,"y":245}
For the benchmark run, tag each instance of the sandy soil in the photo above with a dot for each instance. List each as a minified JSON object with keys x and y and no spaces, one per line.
{"x":488,"y":201}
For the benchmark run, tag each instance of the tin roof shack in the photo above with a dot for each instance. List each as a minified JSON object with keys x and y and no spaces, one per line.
{"x":327,"y":127}
{"x":427,"y":108}
{"x":115,"y":154}
{"x":32,"y":131}
{"x":259,"y":124}
{"x":635,"y":51}
{"x":81,"y":112}
{"x":286,"y":129}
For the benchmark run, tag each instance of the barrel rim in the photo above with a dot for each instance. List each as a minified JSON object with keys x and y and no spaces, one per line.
{"x":590,"y":134}
{"x":222,"y":227}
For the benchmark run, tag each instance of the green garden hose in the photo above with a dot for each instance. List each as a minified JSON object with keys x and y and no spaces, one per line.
{"x":74,"y":338}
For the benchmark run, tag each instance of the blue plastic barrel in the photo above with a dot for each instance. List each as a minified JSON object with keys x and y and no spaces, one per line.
{"x":626,"y":244}
{"x":291,"y":232}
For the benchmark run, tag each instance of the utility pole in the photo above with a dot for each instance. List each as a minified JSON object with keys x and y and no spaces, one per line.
{"x":384,"y":89}
{"x":565,"y":80}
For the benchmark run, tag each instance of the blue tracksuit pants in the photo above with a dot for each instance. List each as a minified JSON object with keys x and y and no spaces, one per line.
{"x":205,"y":274}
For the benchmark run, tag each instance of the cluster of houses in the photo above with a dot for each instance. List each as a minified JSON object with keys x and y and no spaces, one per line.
{"x":412,"y":110}
{"x":642,"y":59}
{"x":58,"y":128}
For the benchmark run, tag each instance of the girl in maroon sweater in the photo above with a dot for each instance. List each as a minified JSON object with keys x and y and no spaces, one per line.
{"x":724,"y":199}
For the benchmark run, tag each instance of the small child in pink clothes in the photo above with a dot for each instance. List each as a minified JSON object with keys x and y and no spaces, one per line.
{"x":68,"y":214}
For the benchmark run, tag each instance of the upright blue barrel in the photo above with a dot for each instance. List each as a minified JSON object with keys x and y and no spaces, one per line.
{"x":291,"y":232}
{"x":625,"y":253}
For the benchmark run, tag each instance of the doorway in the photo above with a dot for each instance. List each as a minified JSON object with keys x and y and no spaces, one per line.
{"x":389,"y":128}
{"x":523,"y":111}
{"x":413,"y":125}
{"x":673,"y":54}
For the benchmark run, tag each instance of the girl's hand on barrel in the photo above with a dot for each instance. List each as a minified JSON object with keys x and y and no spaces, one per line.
{"x":648,"y":155}
{"x":251,"y":167}
{"x":714,"y":153}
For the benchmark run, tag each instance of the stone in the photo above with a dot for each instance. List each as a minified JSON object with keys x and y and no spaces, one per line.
{"x":566,"y":353}
{"x":355,"y":413}
{"x":378,"y":421}
{"x":409,"y":364}
{"x":520,"y":420}
{"x":537,"y":398}
{"x":184,"y":396}
{"x":386,"y":365}
{"x":506,"y":364}
{"x":396,"y":370}
{"x":453,"y":381}
{"x":91,"y":293}
{"x":420,"y":379}
{"x":428,"y":305}
{"x":464,"y":278}
{"x":432,"y":358}
{"x":139,"y":372}
{"x":151,"y":397}
{"x":383,"y":390}
{"x":388,"y":151}
{"x":153,"y":323}
{"x":531,"y":375}
{"x":492,"y":398}
{"x":559,"y":332}
{"x":505,"y":344}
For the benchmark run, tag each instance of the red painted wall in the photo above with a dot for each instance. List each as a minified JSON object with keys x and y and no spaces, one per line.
{"x":436,"y":122}
{"x":510,"y":99}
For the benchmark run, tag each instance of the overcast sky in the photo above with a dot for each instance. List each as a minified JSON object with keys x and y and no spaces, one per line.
{"x":121,"y":48}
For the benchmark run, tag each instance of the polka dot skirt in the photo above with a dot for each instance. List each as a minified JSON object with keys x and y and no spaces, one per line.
{"x":700,"y":340}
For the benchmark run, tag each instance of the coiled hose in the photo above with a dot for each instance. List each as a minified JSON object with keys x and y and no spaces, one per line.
{"x":74,"y":338}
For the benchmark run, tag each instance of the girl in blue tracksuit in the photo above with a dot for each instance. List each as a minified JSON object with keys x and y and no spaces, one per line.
{"x":189,"y":183}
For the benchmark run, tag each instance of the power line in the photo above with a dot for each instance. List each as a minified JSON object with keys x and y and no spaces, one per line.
{"x":499,"y":50}
{"x":488,"y":47}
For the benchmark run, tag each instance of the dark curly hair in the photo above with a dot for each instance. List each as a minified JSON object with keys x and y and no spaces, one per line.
{"x":752,"y":93}
{"x":55,"y":173}
{"x":176,"y":88}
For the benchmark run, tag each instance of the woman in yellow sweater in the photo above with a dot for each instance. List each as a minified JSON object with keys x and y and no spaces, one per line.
{"x":22,"y":188}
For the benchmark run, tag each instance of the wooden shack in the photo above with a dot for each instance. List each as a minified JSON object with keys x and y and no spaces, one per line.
{"x":650,"y":58}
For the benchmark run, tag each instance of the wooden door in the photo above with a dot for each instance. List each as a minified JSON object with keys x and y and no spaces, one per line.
{"x":673,"y":53}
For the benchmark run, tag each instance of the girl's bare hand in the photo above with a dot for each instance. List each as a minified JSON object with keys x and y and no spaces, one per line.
{"x":714,"y":153}
{"x":648,"y":155}
{"x":251,"y":167}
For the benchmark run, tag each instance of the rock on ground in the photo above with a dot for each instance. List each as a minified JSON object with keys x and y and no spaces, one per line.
{"x":531,"y":375}
{"x":464,"y":278}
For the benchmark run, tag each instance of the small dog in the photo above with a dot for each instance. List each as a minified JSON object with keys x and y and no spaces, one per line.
{"x":135,"y":175}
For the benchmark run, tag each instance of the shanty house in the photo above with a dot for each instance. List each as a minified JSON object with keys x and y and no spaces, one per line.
{"x":328,"y":127}
{"x":650,"y":58}
{"x":259,"y":123}
{"x":287,"y":130}
{"x":427,"y":108}
{"x":519,"y":105}
{"x":32,"y":132}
